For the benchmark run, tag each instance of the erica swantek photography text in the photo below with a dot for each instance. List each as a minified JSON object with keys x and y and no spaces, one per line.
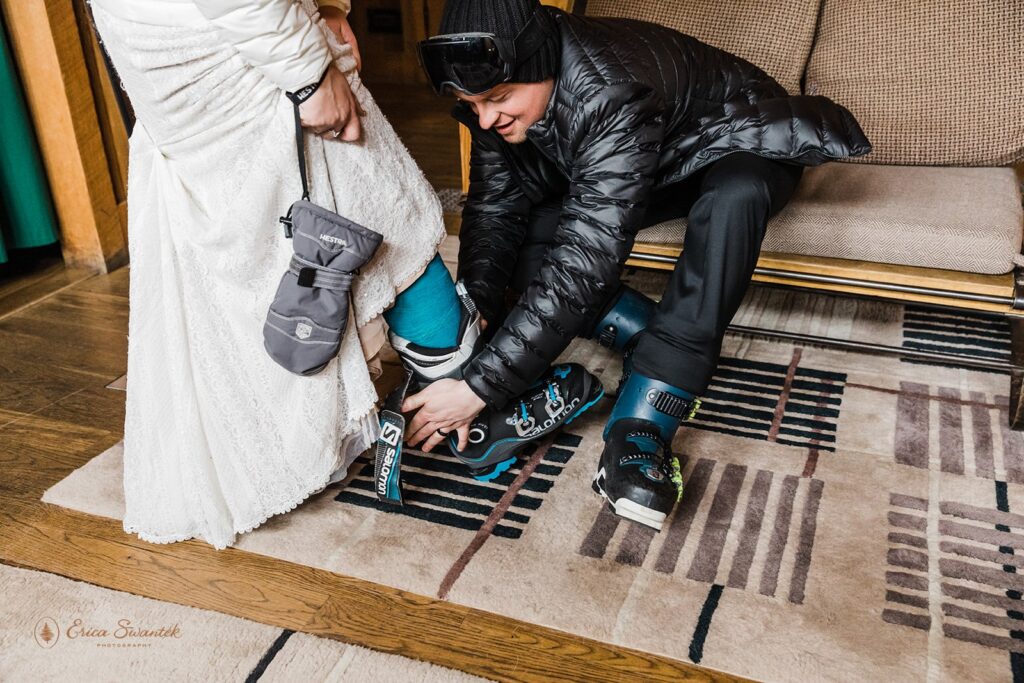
{"x":125,"y":632}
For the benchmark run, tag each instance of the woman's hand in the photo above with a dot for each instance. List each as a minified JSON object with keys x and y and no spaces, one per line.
{"x":337,"y":21}
{"x":448,"y":405}
{"x":333,"y":111}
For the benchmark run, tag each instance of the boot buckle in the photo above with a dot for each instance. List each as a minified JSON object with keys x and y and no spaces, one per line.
{"x":694,"y":407}
{"x":556,"y":403}
{"x":607,"y":336}
{"x":523,"y":421}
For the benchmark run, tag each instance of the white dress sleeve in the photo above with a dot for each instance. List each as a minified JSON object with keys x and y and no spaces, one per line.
{"x":276,"y":36}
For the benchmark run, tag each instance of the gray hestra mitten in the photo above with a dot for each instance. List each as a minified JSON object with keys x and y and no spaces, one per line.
{"x":307,"y":319}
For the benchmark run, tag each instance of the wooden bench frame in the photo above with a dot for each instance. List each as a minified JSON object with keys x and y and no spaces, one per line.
{"x":1001,"y":295}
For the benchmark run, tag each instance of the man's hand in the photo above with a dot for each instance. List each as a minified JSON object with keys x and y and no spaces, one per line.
{"x":447,"y":404}
{"x":333,"y":107}
{"x":338,"y":23}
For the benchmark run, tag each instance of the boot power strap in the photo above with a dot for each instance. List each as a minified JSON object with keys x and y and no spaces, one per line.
{"x":673,"y":406}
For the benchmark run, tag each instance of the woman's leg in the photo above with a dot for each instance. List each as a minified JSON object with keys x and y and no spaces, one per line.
{"x":427,"y":313}
{"x":433,"y":327}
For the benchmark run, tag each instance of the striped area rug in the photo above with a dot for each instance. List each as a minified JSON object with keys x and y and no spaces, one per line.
{"x":744,"y":400}
{"x":845,"y":516}
{"x":440,"y":490}
{"x":980,"y":597}
{"x":970,"y":335}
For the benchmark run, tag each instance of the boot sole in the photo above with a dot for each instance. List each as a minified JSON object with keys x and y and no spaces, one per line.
{"x":627,"y":509}
{"x":493,"y":472}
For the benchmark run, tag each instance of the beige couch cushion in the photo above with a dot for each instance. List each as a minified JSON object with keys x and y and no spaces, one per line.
{"x":775,"y":35}
{"x":931,"y":81}
{"x":967,"y":219}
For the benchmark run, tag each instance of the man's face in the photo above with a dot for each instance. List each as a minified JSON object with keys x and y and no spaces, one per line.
{"x":511,"y":108}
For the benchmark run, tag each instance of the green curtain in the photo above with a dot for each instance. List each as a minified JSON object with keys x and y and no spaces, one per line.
{"x":26,"y":212}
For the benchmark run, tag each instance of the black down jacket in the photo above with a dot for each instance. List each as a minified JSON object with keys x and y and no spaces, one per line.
{"x":636,"y":107}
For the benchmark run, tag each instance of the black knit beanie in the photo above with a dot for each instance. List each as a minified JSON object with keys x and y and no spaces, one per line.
{"x":505,"y":18}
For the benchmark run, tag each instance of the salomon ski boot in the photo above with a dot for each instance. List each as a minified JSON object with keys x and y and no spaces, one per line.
{"x":423,"y":366}
{"x":497,"y":436}
{"x":429,"y":365}
{"x":638,"y":474}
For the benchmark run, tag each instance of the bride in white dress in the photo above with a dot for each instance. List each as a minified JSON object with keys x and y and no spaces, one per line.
{"x":218,"y":438}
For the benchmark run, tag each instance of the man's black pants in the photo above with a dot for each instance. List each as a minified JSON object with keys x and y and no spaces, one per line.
{"x":728,"y":205}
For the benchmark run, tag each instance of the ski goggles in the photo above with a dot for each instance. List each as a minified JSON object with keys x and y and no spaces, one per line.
{"x":473,"y":63}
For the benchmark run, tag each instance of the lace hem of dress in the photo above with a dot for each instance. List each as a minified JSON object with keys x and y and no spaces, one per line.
{"x":405,"y":277}
{"x":324,"y":482}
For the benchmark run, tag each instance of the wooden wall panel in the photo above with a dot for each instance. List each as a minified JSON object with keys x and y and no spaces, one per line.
{"x":47,"y":47}
{"x":112,"y":127}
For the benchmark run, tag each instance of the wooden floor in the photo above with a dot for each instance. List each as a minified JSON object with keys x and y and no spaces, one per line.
{"x":22,"y":284}
{"x":63,"y":338}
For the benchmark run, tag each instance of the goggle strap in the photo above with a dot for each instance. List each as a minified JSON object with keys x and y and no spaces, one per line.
{"x":530,"y":39}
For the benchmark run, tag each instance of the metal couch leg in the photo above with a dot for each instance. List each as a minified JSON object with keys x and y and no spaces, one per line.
{"x":1016,"y":373}
{"x":1017,"y":353}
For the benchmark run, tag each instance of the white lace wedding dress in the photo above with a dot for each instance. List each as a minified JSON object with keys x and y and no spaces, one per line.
{"x":218,"y":438}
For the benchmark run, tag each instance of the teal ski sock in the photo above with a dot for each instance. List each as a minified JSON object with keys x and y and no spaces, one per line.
{"x":428,"y":313}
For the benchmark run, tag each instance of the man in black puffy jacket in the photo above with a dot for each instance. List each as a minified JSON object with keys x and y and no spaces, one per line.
{"x":585,"y":131}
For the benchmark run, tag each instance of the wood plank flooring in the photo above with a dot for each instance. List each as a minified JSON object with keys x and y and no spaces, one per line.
{"x":56,"y":358}
{"x":22,"y":286}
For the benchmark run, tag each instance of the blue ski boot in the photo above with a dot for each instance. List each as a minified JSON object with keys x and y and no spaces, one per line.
{"x":620,"y":326}
{"x":638,"y":474}
{"x":624,"y":318}
{"x":497,"y":436}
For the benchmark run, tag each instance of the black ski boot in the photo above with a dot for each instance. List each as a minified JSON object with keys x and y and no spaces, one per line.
{"x":497,"y":436}
{"x":638,"y":474}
